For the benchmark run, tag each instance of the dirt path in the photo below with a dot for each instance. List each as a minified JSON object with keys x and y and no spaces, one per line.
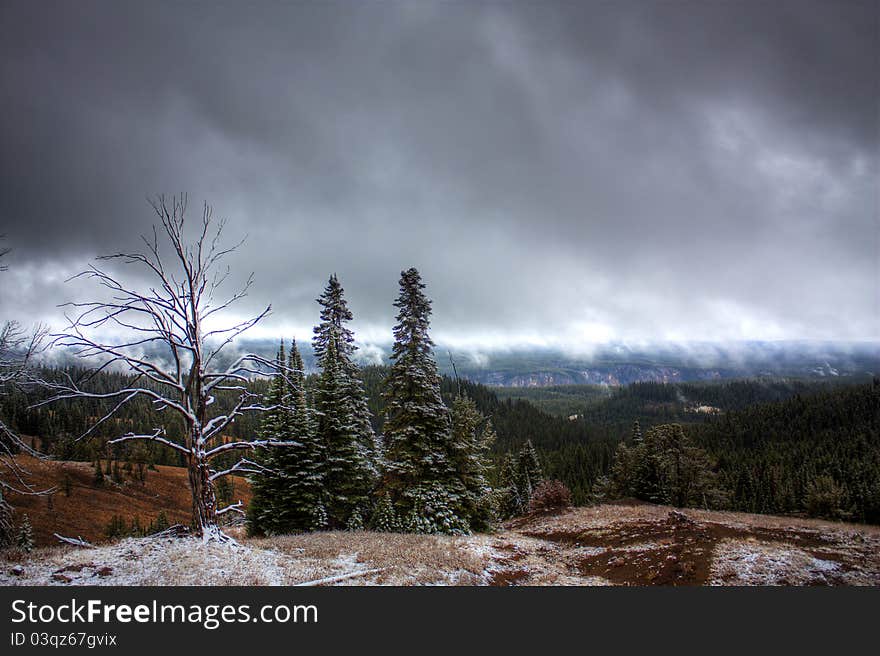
{"x":660,"y":546}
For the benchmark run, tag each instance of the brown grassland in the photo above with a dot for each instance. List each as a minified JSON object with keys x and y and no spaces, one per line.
{"x":610,"y":544}
{"x":88,"y":509}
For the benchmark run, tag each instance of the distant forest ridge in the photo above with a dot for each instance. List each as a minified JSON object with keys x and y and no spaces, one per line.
{"x":770,"y":440}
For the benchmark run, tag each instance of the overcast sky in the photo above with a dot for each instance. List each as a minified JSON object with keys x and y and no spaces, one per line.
{"x":560,"y":173}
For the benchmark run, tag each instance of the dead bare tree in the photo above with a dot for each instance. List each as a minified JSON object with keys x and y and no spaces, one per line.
{"x":17,"y":349}
{"x":172,"y":315}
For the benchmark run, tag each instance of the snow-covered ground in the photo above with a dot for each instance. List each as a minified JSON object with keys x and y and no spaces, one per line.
{"x":603,"y":545}
{"x":276,"y":561}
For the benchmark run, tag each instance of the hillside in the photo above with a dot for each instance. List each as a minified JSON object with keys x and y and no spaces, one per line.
{"x":88,"y":509}
{"x":601,"y":545}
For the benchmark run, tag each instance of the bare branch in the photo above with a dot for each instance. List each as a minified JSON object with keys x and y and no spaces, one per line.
{"x":252,"y":445}
{"x":172,"y":313}
{"x":150,"y":437}
{"x":234,"y":507}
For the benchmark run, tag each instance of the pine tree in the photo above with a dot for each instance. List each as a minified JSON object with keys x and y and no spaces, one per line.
{"x":355,"y":521}
{"x":160,"y":523}
{"x":384,"y":518}
{"x":665,"y":467}
{"x":25,"y":539}
{"x":530,"y":472}
{"x":472,"y":437}
{"x":529,"y":463}
{"x":334,"y":316}
{"x":265,"y":514}
{"x":318,"y":520}
{"x":304,"y":463}
{"x":417,"y":425}
{"x":511,"y":500}
{"x":289,"y":495}
{"x":344,"y":425}
{"x":636,"y":432}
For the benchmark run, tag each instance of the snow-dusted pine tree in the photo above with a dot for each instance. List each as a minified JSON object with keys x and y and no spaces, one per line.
{"x":511,"y":500}
{"x":636,"y":432}
{"x":355,"y":521}
{"x":334,"y":317}
{"x":288,"y":493}
{"x":472,"y":437}
{"x":265,"y":514}
{"x":305,"y":463}
{"x":417,"y":426}
{"x":384,"y":518}
{"x":530,"y":471}
{"x":343,"y":414}
{"x":349,"y":475}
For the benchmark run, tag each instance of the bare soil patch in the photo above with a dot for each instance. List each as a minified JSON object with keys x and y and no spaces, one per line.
{"x":647,"y":547}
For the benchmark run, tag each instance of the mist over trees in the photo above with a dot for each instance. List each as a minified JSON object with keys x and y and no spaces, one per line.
{"x":399,"y":447}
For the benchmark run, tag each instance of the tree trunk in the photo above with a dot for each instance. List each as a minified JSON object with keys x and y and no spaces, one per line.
{"x":204,"y":501}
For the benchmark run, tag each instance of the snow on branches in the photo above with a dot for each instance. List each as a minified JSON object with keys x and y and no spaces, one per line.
{"x":174,"y":316}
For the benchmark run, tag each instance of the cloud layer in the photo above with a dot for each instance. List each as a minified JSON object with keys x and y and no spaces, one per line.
{"x":560,"y":173}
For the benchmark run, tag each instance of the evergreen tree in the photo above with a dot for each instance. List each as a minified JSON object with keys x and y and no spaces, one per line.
{"x":318,"y":518}
{"x":529,"y":465}
{"x":25,"y":539}
{"x":265,"y":515}
{"x":344,"y":425}
{"x":665,"y":467}
{"x":384,"y":518}
{"x":288,"y":495}
{"x":636,"y":432}
{"x":417,"y":425}
{"x":335,"y":314}
{"x":305,"y":462}
{"x":511,"y":499}
{"x":472,"y":437}
{"x":160,"y":524}
{"x":355,"y":521}
{"x":530,"y":474}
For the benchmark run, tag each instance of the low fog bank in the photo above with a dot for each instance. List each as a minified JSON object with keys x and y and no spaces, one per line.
{"x":614,"y":363}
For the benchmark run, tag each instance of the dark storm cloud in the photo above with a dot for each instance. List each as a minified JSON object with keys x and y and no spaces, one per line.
{"x":559,"y":172}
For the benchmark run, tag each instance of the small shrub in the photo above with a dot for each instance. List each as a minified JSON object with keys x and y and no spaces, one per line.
{"x":116,"y":528}
{"x":25,"y":539}
{"x":99,"y":475}
{"x":160,"y":524}
{"x":550,"y":495}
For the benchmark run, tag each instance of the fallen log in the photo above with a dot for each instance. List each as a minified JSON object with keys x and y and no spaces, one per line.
{"x":341,"y":577}
{"x":76,"y":542}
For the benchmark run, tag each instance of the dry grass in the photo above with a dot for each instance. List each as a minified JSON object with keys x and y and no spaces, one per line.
{"x":608,"y":515}
{"x":610,"y":544}
{"x":88,"y":510}
{"x":405,"y":559}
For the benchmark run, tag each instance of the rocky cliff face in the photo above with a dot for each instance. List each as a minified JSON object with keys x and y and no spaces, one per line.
{"x":602,"y":375}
